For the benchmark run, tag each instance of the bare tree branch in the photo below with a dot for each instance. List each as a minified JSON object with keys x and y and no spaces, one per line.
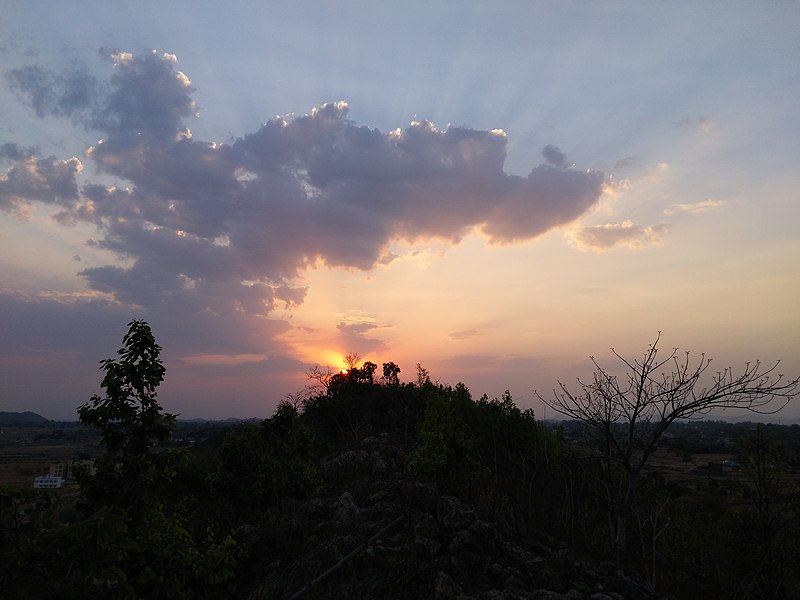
{"x":629,"y":413}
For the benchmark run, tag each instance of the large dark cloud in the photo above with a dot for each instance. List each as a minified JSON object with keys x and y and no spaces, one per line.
{"x":222,"y":229}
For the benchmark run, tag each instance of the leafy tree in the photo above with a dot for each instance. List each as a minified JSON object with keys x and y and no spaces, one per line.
{"x":367,"y":372}
{"x":130,"y":546}
{"x":130,"y":421}
{"x":129,"y":417}
{"x":627,"y":415}
{"x":423,"y":376}
{"x":391,"y":374}
{"x":263,"y":465}
{"x":446,"y":442}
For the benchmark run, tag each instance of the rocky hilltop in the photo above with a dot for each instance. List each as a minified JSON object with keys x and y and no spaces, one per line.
{"x":371,"y":532}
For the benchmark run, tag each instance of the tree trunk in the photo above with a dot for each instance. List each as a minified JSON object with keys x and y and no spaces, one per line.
{"x":622,"y":510}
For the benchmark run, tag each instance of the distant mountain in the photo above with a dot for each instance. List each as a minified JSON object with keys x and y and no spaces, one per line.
{"x":22,"y":418}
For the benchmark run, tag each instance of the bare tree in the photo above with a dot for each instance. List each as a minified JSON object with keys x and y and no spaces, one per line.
{"x":351,"y":359}
{"x":627,"y":415}
{"x":320,"y":379}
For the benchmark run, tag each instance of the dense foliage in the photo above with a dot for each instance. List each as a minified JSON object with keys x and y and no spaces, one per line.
{"x":157,"y":521}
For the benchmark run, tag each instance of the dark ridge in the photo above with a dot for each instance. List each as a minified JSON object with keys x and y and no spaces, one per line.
{"x":22,"y":418}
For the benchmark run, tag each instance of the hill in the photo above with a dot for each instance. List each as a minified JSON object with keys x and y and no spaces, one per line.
{"x":370,"y":531}
{"x":22,"y":418}
{"x":413,"y":491}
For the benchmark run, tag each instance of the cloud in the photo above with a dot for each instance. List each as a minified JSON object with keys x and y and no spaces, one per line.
{"x":148,"y":97}
{"x":554,"y":156}
{"x":222,"y":359}
{"x":699,"y":124}
{"x":353,"y":336}
{"x":469,"y":362}
{"x":222,"y":230}
{"x":49,"y":94}
{"x":15,"y":152}
{"x":599,"y":238}
{"x":694,"y":207}
{"x":628,"y":162}
{"x":464,"y":335}
{"x":47,"y":180}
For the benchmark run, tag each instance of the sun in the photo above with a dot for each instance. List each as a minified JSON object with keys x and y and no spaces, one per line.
{"x":331,"y":358}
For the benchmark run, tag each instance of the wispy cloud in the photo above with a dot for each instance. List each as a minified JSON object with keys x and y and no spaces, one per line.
{"x":693,"y":207}
{"x":698,"y":124}
{"x":464,"y":335}
{"x":599,"y":238}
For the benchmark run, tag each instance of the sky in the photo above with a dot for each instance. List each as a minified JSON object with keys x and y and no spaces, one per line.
{"x":493,"y":190}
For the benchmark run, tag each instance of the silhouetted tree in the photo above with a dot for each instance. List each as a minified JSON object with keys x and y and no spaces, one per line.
{"x":131,"y":421}
{"x":390,"y":373}
{"x":628,"y":414}
{"x":423,"y":376}
{"x":367,"y":372}
{"x":352,"y":359}
{"x":320,"y":379}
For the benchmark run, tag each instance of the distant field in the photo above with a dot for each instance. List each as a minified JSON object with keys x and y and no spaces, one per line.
{"x":26,"y":452}
{"x":703,"y":476}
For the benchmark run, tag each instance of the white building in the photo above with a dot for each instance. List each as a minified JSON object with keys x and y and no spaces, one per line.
{"x":48,"y":481}
{"x":69,"y":470}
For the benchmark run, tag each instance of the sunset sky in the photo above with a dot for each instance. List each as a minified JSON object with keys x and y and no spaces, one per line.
{"x":495,"y":190}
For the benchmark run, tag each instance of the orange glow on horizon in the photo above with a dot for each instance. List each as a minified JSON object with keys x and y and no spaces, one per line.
{"x":328,"y":358}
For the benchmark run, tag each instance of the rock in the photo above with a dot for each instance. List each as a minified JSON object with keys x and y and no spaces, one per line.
{"x":424,"y":525}
{"x":420,"y":496}
{"x":445,"y":588}
{"x":515,"y":583}
{"x":378,"y":465}
{"x":251,"y":537}
{"x":316,"y":508}
{"x":381,"y":496}
{"x":442,"y":549}
{"x":346,"y":508}
{"x":461,"y":541}
{"x":351,"y":460}
{"x":452,"y":515}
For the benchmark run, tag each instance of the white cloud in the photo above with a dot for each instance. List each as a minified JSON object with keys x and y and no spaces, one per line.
{"x":121,"y":57}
